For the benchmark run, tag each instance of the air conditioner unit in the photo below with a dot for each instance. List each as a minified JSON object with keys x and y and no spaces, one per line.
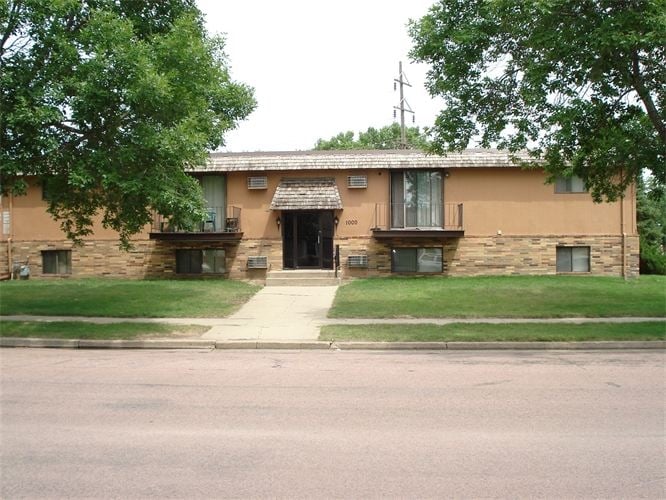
{"x":257,"y":182}
{"x":357,"y":261}
{"x":257,"y":262}
{"x":357,"y":181}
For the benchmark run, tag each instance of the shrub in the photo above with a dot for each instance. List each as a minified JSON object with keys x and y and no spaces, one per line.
{"x":652,"y":260}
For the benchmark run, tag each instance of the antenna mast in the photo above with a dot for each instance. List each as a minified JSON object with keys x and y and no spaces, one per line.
{"x":404,"y":105}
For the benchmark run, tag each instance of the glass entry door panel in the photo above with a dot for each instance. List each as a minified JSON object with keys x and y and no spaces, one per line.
{"x":307,"y":240}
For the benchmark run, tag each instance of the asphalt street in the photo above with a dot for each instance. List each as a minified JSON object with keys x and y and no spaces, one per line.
{"x":311,"y":424}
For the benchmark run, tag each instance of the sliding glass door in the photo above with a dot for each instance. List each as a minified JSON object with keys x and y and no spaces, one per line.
{"x":416,"y":199}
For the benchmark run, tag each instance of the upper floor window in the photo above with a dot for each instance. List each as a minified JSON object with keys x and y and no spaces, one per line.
{"x":46,"y":189}
{"x":416,"y":199}
{"x":573,"y":184}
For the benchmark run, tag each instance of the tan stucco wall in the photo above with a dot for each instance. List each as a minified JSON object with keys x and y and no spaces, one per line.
{"x":518,"y":202}
{"x":510,"y":200}
{"x":31,"y":221}
{"x":532,"y":219}
{"x":356,"y":218}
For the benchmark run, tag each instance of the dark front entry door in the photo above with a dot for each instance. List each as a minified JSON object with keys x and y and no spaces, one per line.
{"x":307,"y":240}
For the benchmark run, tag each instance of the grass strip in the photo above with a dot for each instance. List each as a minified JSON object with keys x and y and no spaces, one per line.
{"x":107,"y":331}
{"x":501,"y":296}
{"x":124,"y":298}
{"x":508,"y":332}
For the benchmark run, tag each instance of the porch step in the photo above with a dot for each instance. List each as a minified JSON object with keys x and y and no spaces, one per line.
{"x":302,"y":277}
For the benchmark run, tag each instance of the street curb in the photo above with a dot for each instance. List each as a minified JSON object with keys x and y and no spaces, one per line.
{"x":480,"y":346}
{"x":147,"y":344}
{"x":323,"y":345}
{"x":390,"y":346}
{"x":19,"y":342}
{"x":108,"y":344}
{"x":272,"y":344}
{"x":583,"y":345}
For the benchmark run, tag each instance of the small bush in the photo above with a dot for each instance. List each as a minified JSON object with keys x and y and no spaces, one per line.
{"x":652,"y":261}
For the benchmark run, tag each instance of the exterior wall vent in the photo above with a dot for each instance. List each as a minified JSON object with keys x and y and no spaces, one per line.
{"x":257,"y":262}
{"x":357,"y":261}
{"x":257,"y":182}
{"x":357,"y":181}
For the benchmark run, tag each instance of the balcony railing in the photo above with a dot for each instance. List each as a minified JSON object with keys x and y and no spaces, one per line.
{"x":428,"y":217}
{"x":217,"y":220}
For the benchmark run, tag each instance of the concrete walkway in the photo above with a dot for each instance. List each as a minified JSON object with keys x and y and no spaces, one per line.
{"x":278,"y":313}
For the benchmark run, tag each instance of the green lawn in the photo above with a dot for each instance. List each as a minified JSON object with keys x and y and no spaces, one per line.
{"x":526,"y":332}
{"x":83,"y":330}
{"x":506,"y":296}
{"x":124,"y":298}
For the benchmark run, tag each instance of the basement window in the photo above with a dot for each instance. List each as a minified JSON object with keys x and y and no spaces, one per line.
{"x":573,"y":259}
{"x":56,"y":262}
{"x":416,"y":260}
{"x":206,"y":261}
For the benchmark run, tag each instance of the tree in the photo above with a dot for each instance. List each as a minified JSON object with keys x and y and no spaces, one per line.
{"x":387,"y":137}
{"x":651,"y":218}
{"x":580,"y":84}
{"x":110,"y":101}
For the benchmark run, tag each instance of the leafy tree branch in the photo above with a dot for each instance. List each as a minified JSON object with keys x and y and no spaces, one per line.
{"x":581,"y":84}
{"x":110,"y":102}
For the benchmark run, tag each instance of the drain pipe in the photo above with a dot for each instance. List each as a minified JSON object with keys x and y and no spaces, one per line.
{"x":10,"y":238}
{"x":623,"y":233}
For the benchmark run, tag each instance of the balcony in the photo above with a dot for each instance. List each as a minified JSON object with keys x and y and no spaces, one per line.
{"x":434,"y":220}
{"x":220,"y":224}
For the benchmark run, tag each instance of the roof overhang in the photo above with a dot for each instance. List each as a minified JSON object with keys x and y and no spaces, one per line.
{"x":358,"y":160}
{"x":307,"y":194}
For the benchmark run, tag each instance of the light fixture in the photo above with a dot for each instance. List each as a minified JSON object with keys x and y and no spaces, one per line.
{"x":277,"y":221}
{"x":336,"y":221}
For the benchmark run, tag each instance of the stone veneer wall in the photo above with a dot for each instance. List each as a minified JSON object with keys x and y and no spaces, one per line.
{"x":4,"y":262}
{"x":501,"y":255}
{"x":467,"y":256}
{"x":271,"y":248}
{"x":93,"y":258}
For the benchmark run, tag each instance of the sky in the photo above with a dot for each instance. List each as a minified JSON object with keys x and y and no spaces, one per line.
{"x":319,"y":67}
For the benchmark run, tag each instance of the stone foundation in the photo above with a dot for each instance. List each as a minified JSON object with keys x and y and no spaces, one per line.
{"x":467,"y":256}
{"x":496,"y":255}
{"x":4,"y":259}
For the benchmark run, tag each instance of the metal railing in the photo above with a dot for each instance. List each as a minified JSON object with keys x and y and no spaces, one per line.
{"x":395,"y":216}
{"x":217,"y":220}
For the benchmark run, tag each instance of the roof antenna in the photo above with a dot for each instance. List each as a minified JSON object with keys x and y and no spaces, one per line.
{"x":404,"y":106}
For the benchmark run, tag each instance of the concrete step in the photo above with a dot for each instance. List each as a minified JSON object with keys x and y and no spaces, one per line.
{"x":302,"y":277}
{"x":302,"y":281}
{"x":302,"y":273}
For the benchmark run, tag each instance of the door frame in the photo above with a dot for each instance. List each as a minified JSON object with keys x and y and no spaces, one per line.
{"x":322,"y":237}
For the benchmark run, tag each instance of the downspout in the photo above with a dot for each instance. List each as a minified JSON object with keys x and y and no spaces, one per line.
{"x":10,"y":238}
{"x":623,"y":234}
{"x":624,"y":239}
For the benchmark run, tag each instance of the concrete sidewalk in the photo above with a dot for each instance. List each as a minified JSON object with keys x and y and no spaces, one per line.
{"x":296,"y":313}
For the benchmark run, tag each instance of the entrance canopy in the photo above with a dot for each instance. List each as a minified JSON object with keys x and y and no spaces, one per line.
{"x":307,"y":194}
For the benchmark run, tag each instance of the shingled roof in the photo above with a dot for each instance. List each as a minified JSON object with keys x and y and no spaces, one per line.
{"x":307,"y":194}
{"x":355,"y":159}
